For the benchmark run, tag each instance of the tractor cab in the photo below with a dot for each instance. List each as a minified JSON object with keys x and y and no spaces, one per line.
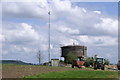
{"x":99,"y":60}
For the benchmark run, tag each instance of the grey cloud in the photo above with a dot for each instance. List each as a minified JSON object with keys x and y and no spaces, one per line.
{"x":25,"y":10}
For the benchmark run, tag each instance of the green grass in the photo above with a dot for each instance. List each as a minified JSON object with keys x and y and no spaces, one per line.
{"x":77,"y":74}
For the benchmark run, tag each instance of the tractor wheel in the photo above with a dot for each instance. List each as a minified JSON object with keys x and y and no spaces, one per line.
{"x":118,"y":68}
{"x":72,"y":66}
{"x":95,"y":67}
{"x":103,"y":68}
{"x":79,"y":67}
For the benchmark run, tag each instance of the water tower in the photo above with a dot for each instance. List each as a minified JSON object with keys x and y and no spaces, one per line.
{"x":78,"y":50}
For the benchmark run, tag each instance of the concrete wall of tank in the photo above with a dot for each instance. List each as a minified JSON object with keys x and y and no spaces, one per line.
{"x":79,"y":51}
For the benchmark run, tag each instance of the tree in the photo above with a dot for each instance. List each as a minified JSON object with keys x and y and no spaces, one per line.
{"x":70,"y":57}
{"x":106,"y":61}
{"x":95,"y":56}
{"x":89,"y":61}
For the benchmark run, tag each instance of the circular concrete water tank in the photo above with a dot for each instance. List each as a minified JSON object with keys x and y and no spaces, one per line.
{"x":79,"y":51}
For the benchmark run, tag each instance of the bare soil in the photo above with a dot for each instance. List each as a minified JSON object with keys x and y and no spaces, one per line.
{"x":19,"y":71}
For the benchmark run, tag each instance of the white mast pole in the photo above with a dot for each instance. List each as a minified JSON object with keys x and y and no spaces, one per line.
{"x":49,"y":33}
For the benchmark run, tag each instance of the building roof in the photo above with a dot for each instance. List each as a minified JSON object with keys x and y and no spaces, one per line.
{"x":72,"y":46}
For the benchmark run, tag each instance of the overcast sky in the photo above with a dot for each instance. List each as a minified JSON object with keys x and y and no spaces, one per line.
{"x":25,"y":29}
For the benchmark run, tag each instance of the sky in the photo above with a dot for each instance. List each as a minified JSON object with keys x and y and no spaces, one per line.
{"x":25,"y":29}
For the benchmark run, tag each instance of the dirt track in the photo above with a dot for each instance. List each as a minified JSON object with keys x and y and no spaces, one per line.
{"x":17,"y":71}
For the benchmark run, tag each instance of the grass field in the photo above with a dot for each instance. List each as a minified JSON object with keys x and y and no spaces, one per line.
{"x":77,"y":74}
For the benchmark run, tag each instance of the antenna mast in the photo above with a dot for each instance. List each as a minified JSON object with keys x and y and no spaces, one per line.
{"x":49,"y":32}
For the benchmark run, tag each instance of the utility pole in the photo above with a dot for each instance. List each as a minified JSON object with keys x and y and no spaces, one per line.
{"x":49,"y":33}
{"x":39,"y":56}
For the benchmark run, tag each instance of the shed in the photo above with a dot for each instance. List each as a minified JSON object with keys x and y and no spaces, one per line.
{"x":55,"y":62}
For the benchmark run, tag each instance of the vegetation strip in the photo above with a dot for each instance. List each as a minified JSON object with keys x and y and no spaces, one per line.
{"x":77,"y":74}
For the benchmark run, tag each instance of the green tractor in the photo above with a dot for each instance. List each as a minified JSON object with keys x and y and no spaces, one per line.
{"x":99,"y":64}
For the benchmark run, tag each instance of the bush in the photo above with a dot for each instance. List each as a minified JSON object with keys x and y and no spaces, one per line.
{"x":106,"y":62}
{"x":89,"y":61}
{"x":70,"y":58}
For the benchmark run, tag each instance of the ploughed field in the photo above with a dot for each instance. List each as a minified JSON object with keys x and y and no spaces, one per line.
{"x":31,"y":71}
{"x":19,"y":71}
